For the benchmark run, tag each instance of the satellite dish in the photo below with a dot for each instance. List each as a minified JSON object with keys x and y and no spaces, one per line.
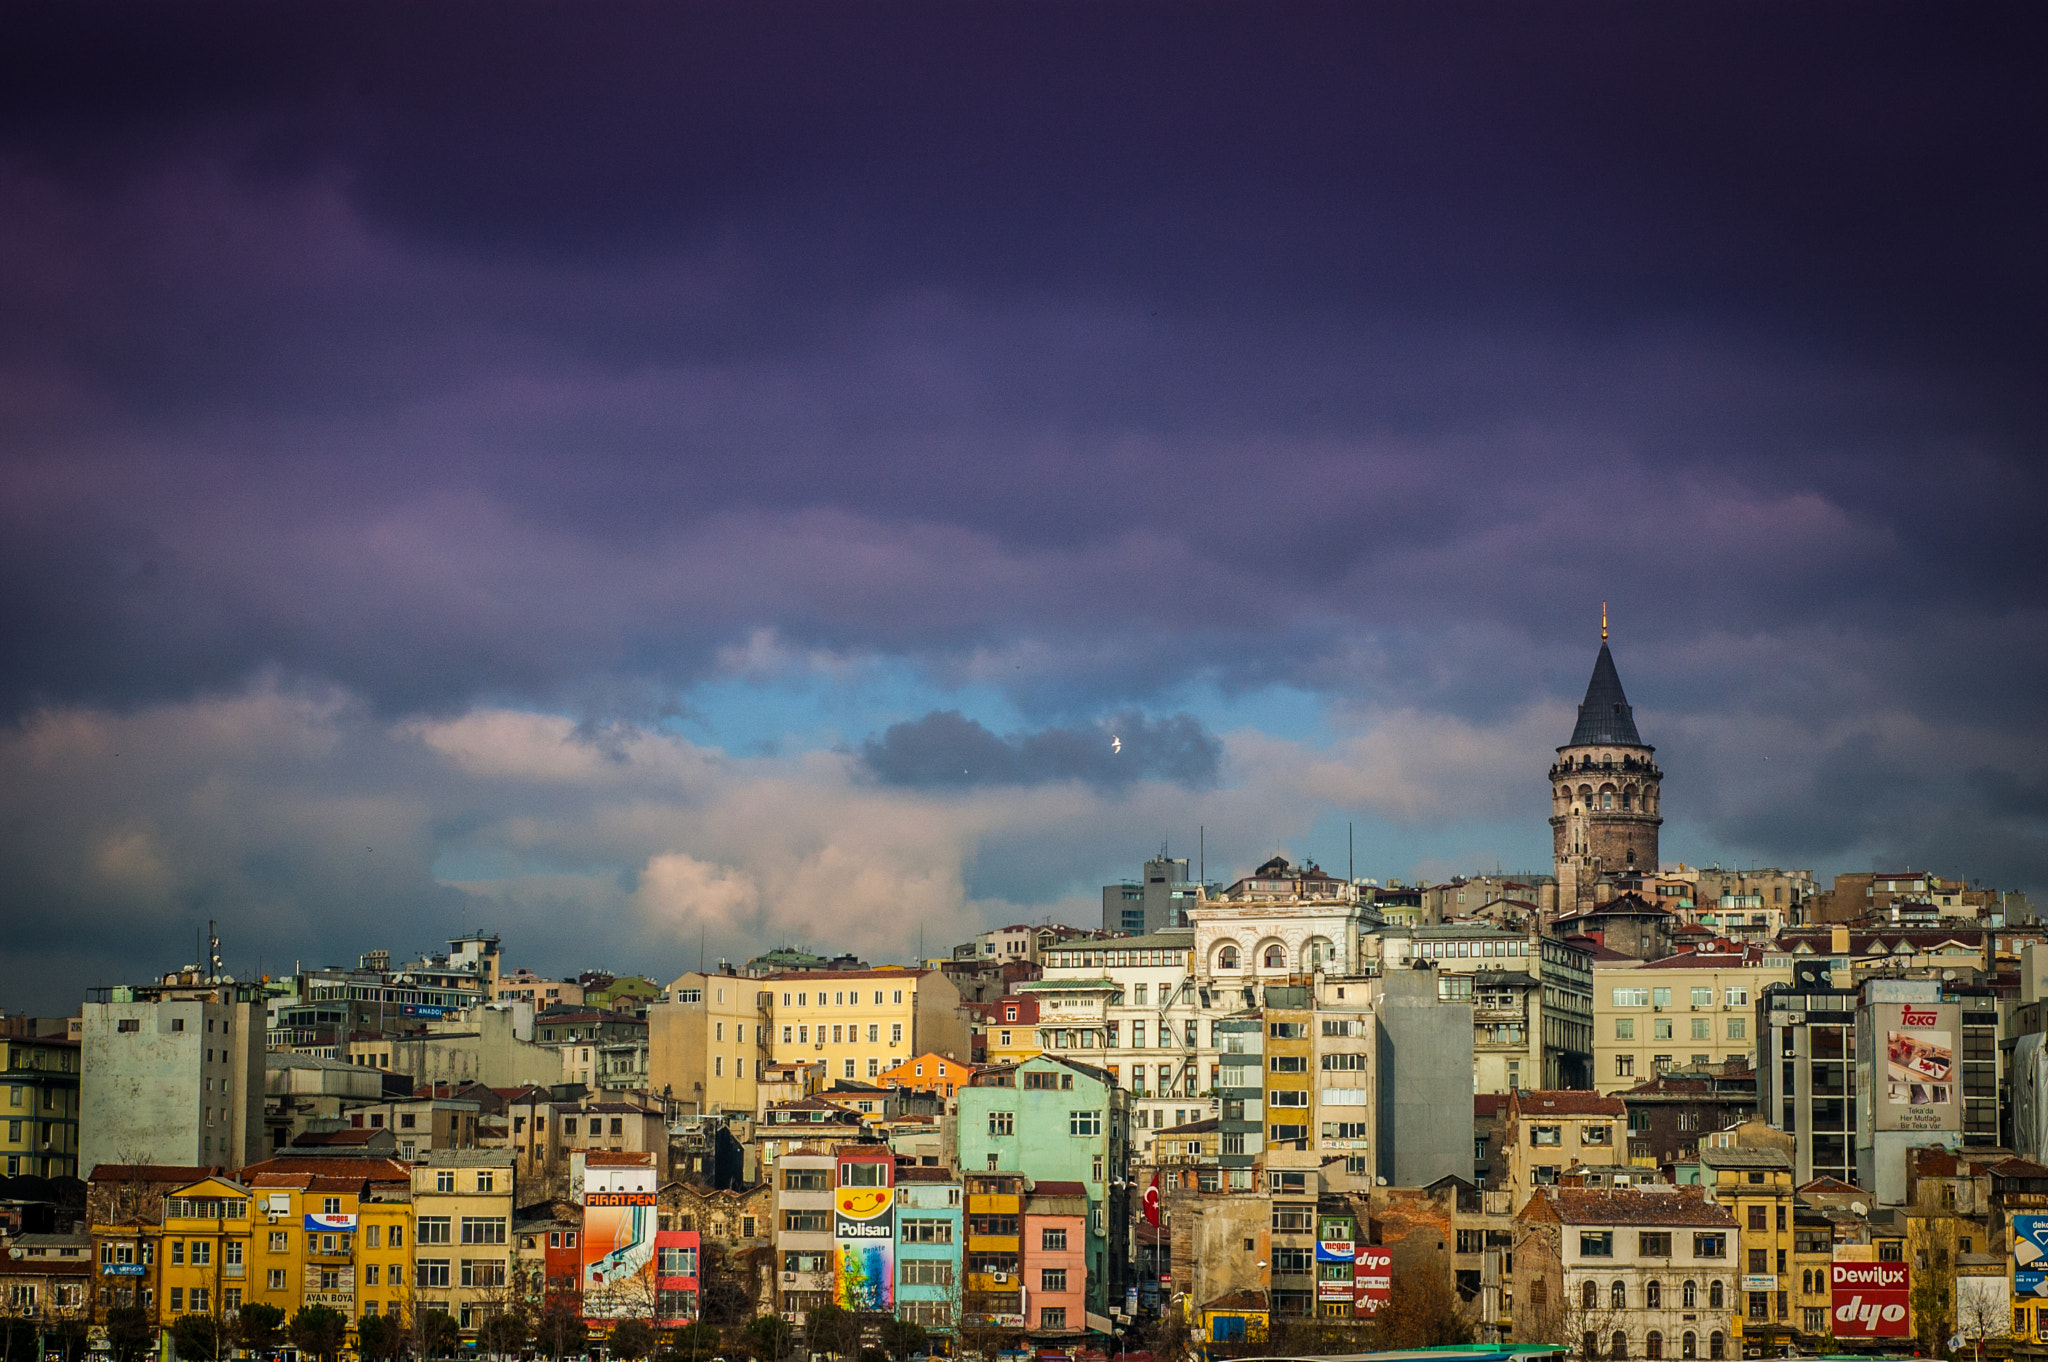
{"x":1383,"y":1181}
{"x":1859,"y":1208}
{"x":1948,"y":974}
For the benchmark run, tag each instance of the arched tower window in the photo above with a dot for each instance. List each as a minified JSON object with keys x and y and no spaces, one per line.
{"x":1227,"y":958}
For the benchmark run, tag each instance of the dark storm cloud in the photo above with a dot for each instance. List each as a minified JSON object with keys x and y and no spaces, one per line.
{"x":946,"y":748}
{"x":1097,"y":356}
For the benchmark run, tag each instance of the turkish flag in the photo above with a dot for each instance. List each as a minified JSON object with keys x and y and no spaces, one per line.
{"x":1152,"y":1201}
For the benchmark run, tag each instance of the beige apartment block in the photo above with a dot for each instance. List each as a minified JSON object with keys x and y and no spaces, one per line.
{"x":1549,"y":1131}
{"x":1684,"y":1011}
{"x":861,"y":1022}
{"x":462,"y":1235}
{"x":707,"y":1039}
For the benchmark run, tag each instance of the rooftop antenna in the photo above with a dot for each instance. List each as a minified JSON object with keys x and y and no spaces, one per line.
{"x":1202,"y":853}
{"x":1603,"y":621}
{"x":1350,"y":854}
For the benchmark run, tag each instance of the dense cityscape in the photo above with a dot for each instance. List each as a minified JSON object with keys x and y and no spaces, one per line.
{"x":1711,"y":1113}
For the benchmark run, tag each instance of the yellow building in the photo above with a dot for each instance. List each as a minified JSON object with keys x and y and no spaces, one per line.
{"x":39,"y":1106}
{"x":1684,"y":1011}
{"x":204,"y":1251}
{"x":861,"y":1022}
{"x":462,"y":1234}
{"x":1290,"y":1061}
{"x":995,"y":1277}
{"x":338,"y":1241}
{"x":1755,"y":1186}
{"x":1011,"y":1032}
{"x":707,"y":1037}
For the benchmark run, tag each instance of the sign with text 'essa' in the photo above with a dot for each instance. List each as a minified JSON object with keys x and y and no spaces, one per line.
{"x":2030,"y":1255}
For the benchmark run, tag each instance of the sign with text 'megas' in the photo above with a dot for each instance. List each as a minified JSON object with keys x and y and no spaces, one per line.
{"x":1870,"y":1299}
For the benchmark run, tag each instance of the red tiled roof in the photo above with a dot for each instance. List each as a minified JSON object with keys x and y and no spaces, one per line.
{"x":331,"y":1166}
{"x":1488,"y":1103}
{"x":1836,"y":1187}
{"x":313,"y":1139}
{"x":1043,"y":1188}
{"x":1562,"y":1102}
{"x":608,"y":1158}
{"x":153,"y":1172}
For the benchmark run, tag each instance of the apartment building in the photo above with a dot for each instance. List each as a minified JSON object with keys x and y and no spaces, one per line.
{"x":1626,"y":1272}
{"x":1755,"y":1186}
{"x":1136,"y":1003}
{"x":1240,"y":1100}
{"x":931,"y":1073}
{"x":1052,"y":1119}
{"x":861,"y":1022}
{"x":462,"y":1203}
{"x":1531,"y":996}
{"x":931,"y":1241}
{"x":1054,"y":1261}
{"x":1692,"y":1010}
{"x":707,"y":1040}
{"x":806,"y":1177}
{"x":1290,"y":1065}
{"x":1010,"y":1032}
{"x":994,"y":1296}
{"x":335,"y":1240}
{"x":39,"y":1122}
{"x":1549,"y":1131}
{"x":172,"y":1074}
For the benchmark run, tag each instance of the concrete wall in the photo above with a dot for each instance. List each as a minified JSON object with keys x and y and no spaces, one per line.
{"x":938,"y":1027}
{"x":185,"y":1086}
{"x":1423,"y":1053}
{"x":479,"y":1047}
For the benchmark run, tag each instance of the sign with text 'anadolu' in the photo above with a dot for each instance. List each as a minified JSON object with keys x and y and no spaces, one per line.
{"x":1869,"y":1299}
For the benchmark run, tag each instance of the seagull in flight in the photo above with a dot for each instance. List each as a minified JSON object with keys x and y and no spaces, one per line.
{"x":1116,"y":744}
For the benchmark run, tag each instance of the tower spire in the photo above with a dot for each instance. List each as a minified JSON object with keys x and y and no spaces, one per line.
{"x":1603,"y":621}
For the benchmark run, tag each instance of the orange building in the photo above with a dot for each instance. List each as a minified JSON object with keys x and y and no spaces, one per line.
{"x":931,"y":1073}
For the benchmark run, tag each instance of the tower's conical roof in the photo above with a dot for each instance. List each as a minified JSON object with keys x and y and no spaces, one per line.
{"x":1604,"y":715}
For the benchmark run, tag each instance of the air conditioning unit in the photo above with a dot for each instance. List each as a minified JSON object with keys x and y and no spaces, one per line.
{"x":1002,"y":1277}
{"x":789,"y":1276}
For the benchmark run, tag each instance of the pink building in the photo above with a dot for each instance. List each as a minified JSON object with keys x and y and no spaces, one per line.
{"x":1055,"y":1264}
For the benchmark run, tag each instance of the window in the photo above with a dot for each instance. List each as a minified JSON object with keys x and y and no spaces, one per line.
{"x":483,"y":1272}
{"x":275,"y":1278}
{"x":1085,"y":1122}
{"x":444,"y":1180}
{"x":1052,"y":1317}
{"x":1717,"y":1346}
{"x":1294,"y":1219}
{"x":1617,"y":1296}
{"x":434,"y":1229}
{"x":1002,"y":1123}
{"x":806,"y":1180}
{"x":1738,"y":996}
{"x":431,"y":1272}
{"x":277,"y":1241}
{"x":1052,"y":1279}
{"x":1738,"y":1028}
{"x":1631,"y":997}
{"x":1596,"y":1243}
{"x":1546,"y":1135}
{"x":1596,"y":1135}
{"x":1295,"y":1262}
{"x":1654,"y":1244}
{"x":1702,"y":1029}
{"x":676,"y":1262}
{"x":1653,"y":1345}
{"x":926,"y":1272}
{"x":807,"y":1222}
{"x":1624,"y":1066}
{"x":483,"y":1229}
{"x":921,"y":1231}
{"x":1653,"y":1295}
{"x":1710,"y":1246}
{"x":1619,"y":1348}
{"x":1716,"y":1295}
{"x":1661,"y":1029}
{"x":398,"y":1236}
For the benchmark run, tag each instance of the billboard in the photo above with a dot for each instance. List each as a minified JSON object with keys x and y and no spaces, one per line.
{"x":1869,"y":1300}
{"x":1373,"y":1278}
{"x":1334,"y":1251}
{"x":2030,"y":1255}
{"x":333,"y":1224}
{"x":864,"y":1228}
{"x":618,"y":1255}
{"x":1917,"y":1084}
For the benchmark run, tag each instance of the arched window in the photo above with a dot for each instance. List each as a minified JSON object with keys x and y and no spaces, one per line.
{"x":1688,"y":1345}
{"x":1717,"y":1346}
{"x":1276,"y":957}
{"x":1607,"y":800}
{"x":1227,"y":958}
{"x":1589,"y":1296}
{"x":1653,"y":1346}
{"x":1618,"y":1295}
{"x":1714,"y":1297}
{"x":1653,"y":1295}
{"x":1689,"y":1295}
{"x":1589,"y":1344}
{"x":1806,"y":1282}
{"x":1619,"y":1348}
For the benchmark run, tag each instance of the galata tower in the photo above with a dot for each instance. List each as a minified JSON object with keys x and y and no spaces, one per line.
{"x":1604,"y":805}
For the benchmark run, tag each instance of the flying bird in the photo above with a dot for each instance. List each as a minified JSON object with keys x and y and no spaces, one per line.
{"x":1116,"y":744}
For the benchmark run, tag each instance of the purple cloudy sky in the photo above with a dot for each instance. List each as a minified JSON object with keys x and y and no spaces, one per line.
{"x":598,"y":474}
